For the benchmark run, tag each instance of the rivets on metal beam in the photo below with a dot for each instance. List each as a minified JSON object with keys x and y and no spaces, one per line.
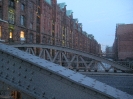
{"x":28,"y":87}
{"x":69,"y":75}
{"x":19,"y":67}
{"x":13,"y":57}
{"x":19,"y":74}
{"x":8,"y":61}
{"x":2,"y":66}
{"x":118,"y":98}
{"x":21,"y":61}
{"x":84,"y":88}
{"x":53,"y":97}
{"x":13,"y":71}
{"x":85,"y":76}
{"x":30,"y":65}
{"x":6,"y":76}
{"x":26,"y":69}
{"x":32,"y":72}
{"x":95,"y":80}
{"x":60,"y":70}
{"x":30,"y":79}
{"x":24,"y":76}
{"x":2,"y":59}
{"x":72,"y":83}
{"x":19,"y":81}
{"x":1,"y":73}
{"x":74,"y":72}
{"x":7,"y":68}
{"x":34,"y":92}
{"x":61,"y":78}
{"x":34,"y":88}
{"x":44,"y":93}
{"x":14,"y":64}
{"x":40,"y":69}
{"x":12,"y":78}
{"x":93,"y":85}
{"x":50,"y":73}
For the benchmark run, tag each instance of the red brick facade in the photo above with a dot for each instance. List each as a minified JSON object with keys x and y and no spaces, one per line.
{"x":45,"y":22}
{"x":123,"y":45}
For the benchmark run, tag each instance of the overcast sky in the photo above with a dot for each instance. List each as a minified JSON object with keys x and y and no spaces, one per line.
{"x":99,"y":17}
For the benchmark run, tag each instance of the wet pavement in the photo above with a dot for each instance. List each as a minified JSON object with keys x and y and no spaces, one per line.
{"x":120,"y":81}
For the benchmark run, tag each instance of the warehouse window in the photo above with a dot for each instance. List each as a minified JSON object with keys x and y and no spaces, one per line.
{"x":22,"y":7}
{"x":22,"y":20}
{"x":22,"y":38}
{"x":12,"y":3}
{"x":22,"y":34}
{"x":31,"y":25}
{"x":0,"y":12}
{"x":11,"y":16}
{"x":31,"y":38}
{"x":10,"y":33}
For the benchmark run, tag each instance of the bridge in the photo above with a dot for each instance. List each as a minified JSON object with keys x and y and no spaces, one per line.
{"x":72,"y":58}
{"x":32,"y":77}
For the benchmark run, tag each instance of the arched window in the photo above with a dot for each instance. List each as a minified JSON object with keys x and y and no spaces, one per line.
{"x":22,"y":38}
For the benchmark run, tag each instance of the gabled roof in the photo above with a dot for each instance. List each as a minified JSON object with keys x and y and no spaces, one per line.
{"x":75,"y":20}
{"x":90,"y":36}
{"x":84,"y":32}
{"x":69,"y":12}
{"x":80,"y":24}
{"x":62,"y":5}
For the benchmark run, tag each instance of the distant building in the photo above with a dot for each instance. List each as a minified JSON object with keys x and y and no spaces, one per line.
{"x":109,"y":52}
{"x":44,"y":22}
{"x":123,"y":43}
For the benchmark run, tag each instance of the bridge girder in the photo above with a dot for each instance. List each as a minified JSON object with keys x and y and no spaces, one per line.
{"x":45,"y":80}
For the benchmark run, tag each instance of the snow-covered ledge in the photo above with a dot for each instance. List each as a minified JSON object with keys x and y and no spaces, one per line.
{"x":2,"y":40}
{"x":3,"y":20}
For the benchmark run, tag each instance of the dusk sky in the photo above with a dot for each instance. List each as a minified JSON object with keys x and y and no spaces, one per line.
{"x":99,"y":17}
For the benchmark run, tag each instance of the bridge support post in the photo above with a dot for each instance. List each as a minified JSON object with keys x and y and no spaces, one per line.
{"x":77,"y":63}
{"x":60,"y":58}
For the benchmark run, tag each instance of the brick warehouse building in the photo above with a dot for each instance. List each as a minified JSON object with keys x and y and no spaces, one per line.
{"x":45,"y":22}
{"x":123,"y":44}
